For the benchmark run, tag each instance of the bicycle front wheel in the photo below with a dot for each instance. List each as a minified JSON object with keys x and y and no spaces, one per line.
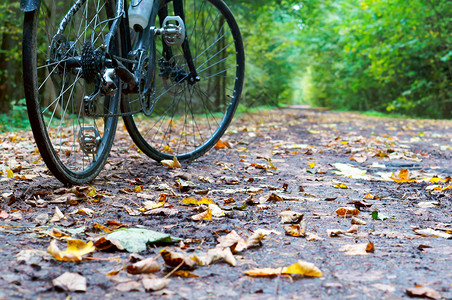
{"x":64,"y":51}
{"x":189,"y":116}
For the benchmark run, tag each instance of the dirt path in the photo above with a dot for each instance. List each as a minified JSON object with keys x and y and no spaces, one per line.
{"x":306,"y":161}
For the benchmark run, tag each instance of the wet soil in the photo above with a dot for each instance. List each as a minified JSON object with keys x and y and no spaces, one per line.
{"x":289,"y":152}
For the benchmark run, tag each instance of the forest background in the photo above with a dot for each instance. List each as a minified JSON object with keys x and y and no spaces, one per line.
{"x":368,"y":55}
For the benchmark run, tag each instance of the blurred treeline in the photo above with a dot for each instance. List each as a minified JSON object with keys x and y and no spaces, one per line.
{"x":384,"y":55}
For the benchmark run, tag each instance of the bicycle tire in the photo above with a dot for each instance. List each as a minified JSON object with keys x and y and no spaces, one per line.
{"x":74,"y":145}
{"x":188,"y":120}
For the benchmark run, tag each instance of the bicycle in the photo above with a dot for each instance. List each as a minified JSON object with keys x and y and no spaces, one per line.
{"x":176,"y":82}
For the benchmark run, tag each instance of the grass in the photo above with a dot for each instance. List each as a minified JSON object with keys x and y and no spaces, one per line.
{"x":16,"y":119}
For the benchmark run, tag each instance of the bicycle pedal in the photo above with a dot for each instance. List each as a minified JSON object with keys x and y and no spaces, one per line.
{"x":172,"y":31}
{"x":89,"y":139}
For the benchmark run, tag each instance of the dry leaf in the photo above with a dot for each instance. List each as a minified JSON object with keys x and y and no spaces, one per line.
{"x":303,"y":268}
{"x":70,"y":282}
{"x":433,"y":232}
{"x":358,"y":249}
{"x":299,"y":268}
{"x":176,"y":259}
{"x":172,"y":164}
{"x":233,"y":241}
{"x":358,"y":221}
{"x":255,"y":239}
{"x":341,"y":186}
{"x":57,"y":216}
{"x":334,"y":232}
{"x":129,"y":286}
{"x":74,"y":252}
{"x":145,"y":266}
{"x":83,"y":211}
{"x":347,"y":211}
{"x":353,"y":229}
{"x":4,"y":214}
{"x":290,"y":216}
{"x":297,"y":230}
{"x":214,"y":255}
{"x":221,"y":145}
{"x":422,"y":291}
{"x":206,"y":215}
{"x":402,"y":176}
{"x":154,"y":284}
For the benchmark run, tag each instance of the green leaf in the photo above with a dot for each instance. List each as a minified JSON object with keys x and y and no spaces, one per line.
{"x":377,"y":216}
{"x":135,"y":239}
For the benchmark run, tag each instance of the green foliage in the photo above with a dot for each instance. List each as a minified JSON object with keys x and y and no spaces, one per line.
{"x":381,"y":55}
{"x":16,"y":119}
{"x":269,"y":30}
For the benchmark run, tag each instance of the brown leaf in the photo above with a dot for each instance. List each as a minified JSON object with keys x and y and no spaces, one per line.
{"x":176,"y":259}
{"x":145,"y":266}
{"x":297,"y":230}
{"x":423,"y":292}
{"x":347,"y":211}
{"x":233,"y":241}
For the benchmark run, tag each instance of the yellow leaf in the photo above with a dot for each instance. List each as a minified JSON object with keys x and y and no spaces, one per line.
{"x":137,"y":188}
{"x":341,"y":186}
{"x":436,"y":179}
{"x":101,"y":227}
{"x":92,"y":192}
{"x":74,"y":252}
{"x":172,"y":164}
{"x":403,"y":176}
{"x":303,"y":268}
{"x":206,"y":201}
{"x":189,"y":201}
{"x":347,"y":211}
{"x":369,"y":196}
{"x":167,"y":149}
{"x":311,"y":165}
{"x":9,"y":174}
{"x":264,"y":272}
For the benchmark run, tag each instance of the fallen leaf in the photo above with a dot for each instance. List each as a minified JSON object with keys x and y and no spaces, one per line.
{"x":433,"y":232}
{"x":70,"y":282}
{"x":349,"y":171}
{"x":4,"y":214}
{"x":233,"y":241}
{"x":175,"y":259}
{"x":145,"y":266}
{"x":422,"y":291}
{"x":154,"y":284}
{"x":358,"y":249}
{"x":206,"y":215}
{"x":74,"y":251}
{"x":303,"y":268}
{"x":172,"y":164}
{"x":57,"y":216}
{"x":135,"y":239}
{"x":129,"y":286}
{"x":299,"y":268}
{"x":334,"y":232}
{"x":214,"y":255}
{"x":297,"y":230}
{"x":402,"y":176}
{"x":341,"y":186}
{"x":357,"y":221}
{"x":221,"y":145}
{"x":347,"y":211}
{"x":428,"y":204}
{"x":289,"y":216}
{"x":378,"y":216}
{"x":353,"y":229}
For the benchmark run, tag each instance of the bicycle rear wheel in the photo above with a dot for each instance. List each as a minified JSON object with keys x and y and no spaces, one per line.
{"x":188,"y":118}
{"x":63,"y":55}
